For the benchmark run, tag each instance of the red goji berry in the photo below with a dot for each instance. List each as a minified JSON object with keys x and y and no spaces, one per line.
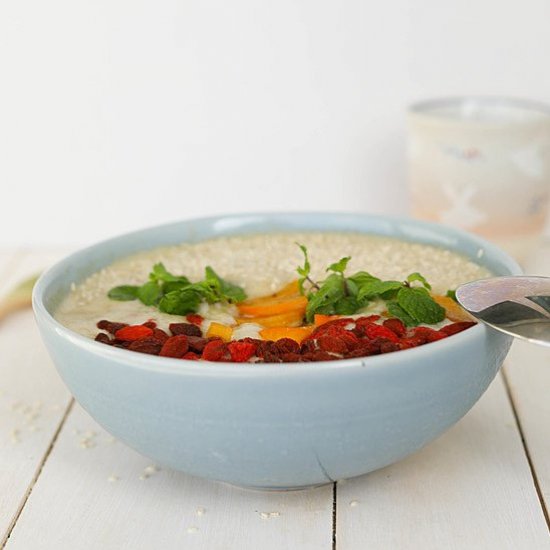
{"x":195,"y":318}
{"x":332,"y":328}
{"x":160,"y":335}
{"x":427,"y":333}
{"x":184,"y":328}
{"x":109,"y":326}
{"x":332,"y":344}
{"x":366,"y":348}
{"x":388,"y":346}
{"x":308,"y":346}
{"x":215,"y":350}
{"x":368,"y":320}
{"x":197,"y":343}
{"x":175,"y":346}
{"x":411,"y":342}
{"x":103,"y":338}
{"x":150,"y":324}
{"x":287,"y":345}
{"x":318,"y":355}
{"x":350,"y":338}
{"x":454,"y":328}
{"x":146,"y":345}
{"x":190,"y":356}
{"x":241,"y":351}
{"x":133,"y":332}
{"x":380,"y":331}
{"x":395,"y":325}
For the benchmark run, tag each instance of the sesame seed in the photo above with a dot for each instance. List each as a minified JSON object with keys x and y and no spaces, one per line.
{"x":268,"y":515}
{"x":201,"y":511}
{"x":354,"y":503}
{"x":113,"y":478}
{"x":192,"y":530}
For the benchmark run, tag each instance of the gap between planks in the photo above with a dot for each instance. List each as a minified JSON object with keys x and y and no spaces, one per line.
{"x":38,"y":472}
{"x":334,"y":513}
{"x":526,"y":450}
{"x":14,"y":261}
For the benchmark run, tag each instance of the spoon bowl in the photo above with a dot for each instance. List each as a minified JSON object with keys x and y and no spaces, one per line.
{"x":518,"y":306}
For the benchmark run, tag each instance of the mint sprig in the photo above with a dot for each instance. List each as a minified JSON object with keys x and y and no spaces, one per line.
{"x":175,"y":294}
{"x":342,"y":295}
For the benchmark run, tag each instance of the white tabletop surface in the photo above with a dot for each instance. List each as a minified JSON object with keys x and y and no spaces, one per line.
{"x":67,"y":484}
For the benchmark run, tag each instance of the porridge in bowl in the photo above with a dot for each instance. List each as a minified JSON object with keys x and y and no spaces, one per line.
{"x":274,"y":298}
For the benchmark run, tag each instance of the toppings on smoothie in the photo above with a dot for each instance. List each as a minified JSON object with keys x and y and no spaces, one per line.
{"x":306,"y":320}
{"x":377,"y":298}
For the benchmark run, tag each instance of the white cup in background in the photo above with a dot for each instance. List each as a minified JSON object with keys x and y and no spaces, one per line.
{"x":482,"y":164}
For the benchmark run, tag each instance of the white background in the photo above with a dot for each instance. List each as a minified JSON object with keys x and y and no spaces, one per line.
{"x":118,"y":114}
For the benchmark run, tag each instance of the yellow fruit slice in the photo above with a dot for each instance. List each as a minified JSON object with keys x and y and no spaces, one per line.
{"x":294,"y":333}
{"x":289,"y":319}
{"x":273,"y":306}
{"x":219,"y":331}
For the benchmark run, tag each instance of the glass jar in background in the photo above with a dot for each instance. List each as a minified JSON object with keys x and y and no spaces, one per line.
{"x":482,"y":164}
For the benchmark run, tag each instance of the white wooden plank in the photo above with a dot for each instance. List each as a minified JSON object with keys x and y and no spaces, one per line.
{"x":528,"y":374}
{"x":32,"y":398}
{"x":470,"y":489}
{"x":97,"y":493}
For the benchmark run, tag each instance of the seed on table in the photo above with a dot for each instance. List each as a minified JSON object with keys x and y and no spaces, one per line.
{"x":268,"y":515}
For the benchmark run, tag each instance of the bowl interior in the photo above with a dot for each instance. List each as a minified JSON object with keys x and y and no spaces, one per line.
{"x":56,"y":282}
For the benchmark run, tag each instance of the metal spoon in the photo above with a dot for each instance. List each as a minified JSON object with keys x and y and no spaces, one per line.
{"x":519,"y":306}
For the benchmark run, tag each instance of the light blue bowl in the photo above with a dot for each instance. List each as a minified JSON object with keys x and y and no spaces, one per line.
{"x":273,"y":426}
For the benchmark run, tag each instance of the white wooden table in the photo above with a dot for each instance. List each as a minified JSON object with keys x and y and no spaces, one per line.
{"x":66,"y":484}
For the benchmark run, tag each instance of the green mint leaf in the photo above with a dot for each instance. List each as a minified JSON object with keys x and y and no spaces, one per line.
{"x":351,"y":287}
{"x":123,"y":293}
{"x":180,"y":302}
{"x":227,"y":291}
{"x":395,"y":310}
{"x":451,"y":294}
{"x":305,"y":270}
{"x":420,"y":278}
{"x":160,"y":273}
{"x":420,"y":305}
{"x":149,"y":293}
{"x":340,"y":265}
{"x":205,"y":290}
{"x":346,"y":306}
{"x":170,"y":286}
{"x":323,"y":301}
{"x":362,"y":277}
{"x":376,"y":288}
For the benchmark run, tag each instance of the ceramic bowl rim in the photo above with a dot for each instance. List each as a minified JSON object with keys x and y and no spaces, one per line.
{"x":165,"y":364}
